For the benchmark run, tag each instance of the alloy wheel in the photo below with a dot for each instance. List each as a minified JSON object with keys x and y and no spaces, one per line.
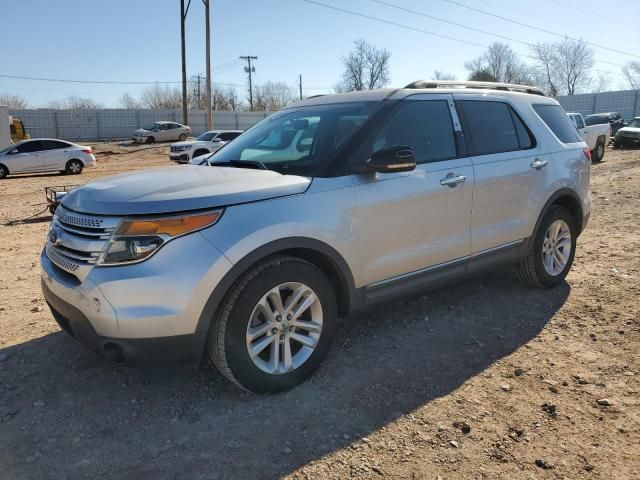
{"x":284,"y":328}
{"x":556,"y":247}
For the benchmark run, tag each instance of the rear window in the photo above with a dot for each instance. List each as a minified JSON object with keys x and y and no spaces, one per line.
{"x":556,"y":119}
{"x":494,"y":127}
{"x":596,"y":119}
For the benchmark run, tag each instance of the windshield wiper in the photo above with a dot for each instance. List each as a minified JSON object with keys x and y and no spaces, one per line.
{"x":253,"y":164}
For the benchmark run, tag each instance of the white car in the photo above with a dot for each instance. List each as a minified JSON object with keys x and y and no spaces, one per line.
{"x":595,"y":136}
{"x":208,"y":142}
{"x":161,"y":132}
{"x":45,"y":155}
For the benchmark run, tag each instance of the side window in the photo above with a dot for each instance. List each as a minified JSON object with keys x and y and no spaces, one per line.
{"x":579,"y":121}
{"x":525,"y":137}
{"x":54,"y":145}
{"x":31,"y":147}
{"x":558,"y":122}
{"x":425,"y":126}
{"x":227,"y":136}
{"x":491,"y":127}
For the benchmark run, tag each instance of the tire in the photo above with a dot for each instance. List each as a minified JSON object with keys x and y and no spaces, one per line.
{"x":532,"y":269}
{"x":4,"y":171}
{"x":74,"y":167}
{"x":598,"y":153}
{"x":151,"y":140}
{"x":230,"y":340}
{"x":182,"y":137}
{"x":197,"y":153}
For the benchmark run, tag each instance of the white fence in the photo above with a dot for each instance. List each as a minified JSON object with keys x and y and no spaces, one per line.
{"x":105,"y":124}
{"x":626,"y":102}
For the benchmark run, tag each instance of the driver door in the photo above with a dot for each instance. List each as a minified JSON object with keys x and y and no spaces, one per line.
{"x":27,"y":158}
{"x":413,"y":222}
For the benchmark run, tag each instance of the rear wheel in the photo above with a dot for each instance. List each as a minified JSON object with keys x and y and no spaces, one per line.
{"x":74,"y":167}
{"x":3,"y":171}
{"x":598,"y":152}
{"x":197,"y":153}
{"x":275,"y":326}
{"x":551,"y":253}
{"x":182,"y":137}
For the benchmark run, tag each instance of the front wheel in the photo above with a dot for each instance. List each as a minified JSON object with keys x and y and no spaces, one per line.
{"x":275,"y":326}
{"x":3,"y":171}
{"x":551,"y":253}
{"x":151,"y":140}
{"x":74,"y":167}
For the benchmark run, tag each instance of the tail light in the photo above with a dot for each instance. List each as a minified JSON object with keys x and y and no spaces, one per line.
{"x":587,"y":153}
{"x":87,"y":150}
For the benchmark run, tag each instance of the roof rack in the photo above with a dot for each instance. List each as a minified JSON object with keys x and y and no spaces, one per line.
{"x":481,"y":85}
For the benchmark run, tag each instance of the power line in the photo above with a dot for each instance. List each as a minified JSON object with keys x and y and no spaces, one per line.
{"x":427,"y":32}
{"x":540,"y":29}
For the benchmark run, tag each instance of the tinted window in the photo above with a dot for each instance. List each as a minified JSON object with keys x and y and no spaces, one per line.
{"x":579,"y":122}
{"x":596,"y":119}
{"x":491,"y":128}
{"x":557,"y":120}
{"x":226,"y":136}
{"x":55,"y":144}
{"x":30,"y":147}
{"x":425,"y":126}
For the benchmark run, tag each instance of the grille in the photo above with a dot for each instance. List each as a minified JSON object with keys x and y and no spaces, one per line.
{"x":76,"y":240}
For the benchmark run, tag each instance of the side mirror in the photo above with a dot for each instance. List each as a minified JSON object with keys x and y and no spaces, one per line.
{"x":216,"y":140}
{"x":392,"y":159}
{"x":13,"y":152}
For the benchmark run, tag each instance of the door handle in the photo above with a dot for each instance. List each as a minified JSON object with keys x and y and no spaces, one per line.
{"x":538,"y":164}
{"x":452,"y":180}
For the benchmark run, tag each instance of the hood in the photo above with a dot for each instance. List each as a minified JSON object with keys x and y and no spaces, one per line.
{"x":180,"y":188}
{"x":629,"y":129}
{"x":142,"y":130}
{"x":191,"y":143}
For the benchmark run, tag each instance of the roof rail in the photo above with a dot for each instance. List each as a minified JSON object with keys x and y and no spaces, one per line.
{"x":480,"y":85}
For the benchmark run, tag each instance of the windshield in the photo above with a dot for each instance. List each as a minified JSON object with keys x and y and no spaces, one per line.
{"x":206,"y":136}
{"x":635,"y":123}
{"x":596,"y":119}
{"x":299,"y":141}
{"x":10,"y":147}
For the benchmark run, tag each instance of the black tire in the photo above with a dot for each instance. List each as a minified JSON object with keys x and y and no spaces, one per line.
{"x":531,"y":269}
{"x":598,"y":152}
{"x":4,"y":171}
{"x":197,"y":153}
{"x":74,"y":167}
{"x":151,"y":140}
{"x":182,"y":137}
{"x":227,"y":342}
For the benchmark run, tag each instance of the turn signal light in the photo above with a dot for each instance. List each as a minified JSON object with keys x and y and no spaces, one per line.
{"x":172,"y":226}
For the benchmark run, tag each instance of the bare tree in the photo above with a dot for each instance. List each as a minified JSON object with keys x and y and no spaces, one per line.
{"x":73,"y":102}
{"x":481,"y":75}
{"x":501,"y":63}
{"x":439,"y":75}
{"x":159,"y":97}
{"x":128,"y":102}
{"x":631,"y":70}
{"x":226,"y":98}
{"x":564,"y":67}
{"x":272,"y":96}
{"x":366,"y":67}
{"x":601,"y":82}
{"x":14,"y":102}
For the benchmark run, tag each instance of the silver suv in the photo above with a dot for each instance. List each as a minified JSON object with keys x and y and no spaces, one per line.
{"x":331,"y":205}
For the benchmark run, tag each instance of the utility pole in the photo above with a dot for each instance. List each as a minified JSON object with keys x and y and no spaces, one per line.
{"x":249,"y":69}
{"x":183,"y":17}
{"x":207,"y":90}
{"x":300,"y":84}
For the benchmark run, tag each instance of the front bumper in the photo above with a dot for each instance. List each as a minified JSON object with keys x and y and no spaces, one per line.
{"x":620,"y":141}
{"x":139,"y":139}
{"x":136,"y":309}
{"x":180,"y":157}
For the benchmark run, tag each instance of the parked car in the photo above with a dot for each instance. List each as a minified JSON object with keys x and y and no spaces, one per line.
{"x":629,"y":135}
{"x":208,"y":142}
{"x":252,"y":261}
{"x":45,"y":155}
{"x":595,"y":136}
{"x":614,"y":119}
{"x":161,"y":132}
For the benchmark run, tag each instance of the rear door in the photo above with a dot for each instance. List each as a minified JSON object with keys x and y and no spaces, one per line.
{"x":511,"y":171}
{"x":27,"y":158}
{"x":55,"y":154}
{"x":411,"y":221}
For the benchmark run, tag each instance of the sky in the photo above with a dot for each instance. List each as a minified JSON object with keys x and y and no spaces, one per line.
{"x":139,"y":40}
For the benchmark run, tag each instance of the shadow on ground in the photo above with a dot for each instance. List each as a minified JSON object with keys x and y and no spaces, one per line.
{"x":64,"y":412}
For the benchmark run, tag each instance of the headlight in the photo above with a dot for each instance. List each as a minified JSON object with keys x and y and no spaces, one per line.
{"x":182,"y":148}
{"x":135,"y":240}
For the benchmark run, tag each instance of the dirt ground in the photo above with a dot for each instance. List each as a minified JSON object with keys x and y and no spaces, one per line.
{"x":486,"y":379}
